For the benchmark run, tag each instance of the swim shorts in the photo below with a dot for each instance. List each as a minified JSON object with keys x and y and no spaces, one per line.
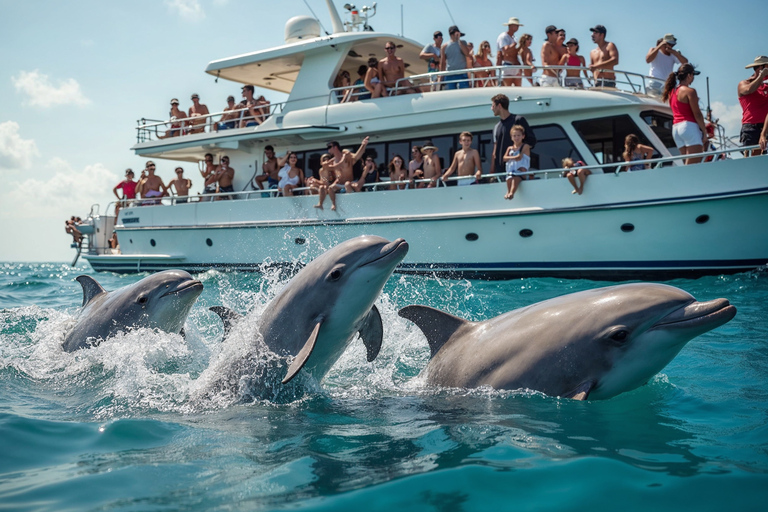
{"x":686,"y":134}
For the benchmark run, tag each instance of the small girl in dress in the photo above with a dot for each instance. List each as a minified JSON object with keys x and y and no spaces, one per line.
{"x":518,"y":159}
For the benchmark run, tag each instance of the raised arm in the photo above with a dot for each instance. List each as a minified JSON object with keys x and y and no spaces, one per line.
{"x":360,"y":150}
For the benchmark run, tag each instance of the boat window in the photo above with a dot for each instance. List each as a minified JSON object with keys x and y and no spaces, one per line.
{"x":661,"y":124}
{"x":605,"y":137}
{"x":311,"y":161}
{"x":552,"y":145}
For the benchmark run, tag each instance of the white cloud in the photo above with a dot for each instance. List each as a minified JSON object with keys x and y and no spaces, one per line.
{"x":15,"y":153}
{"x":42,"y":93}
{"x":729,"y":116}
{"x":67,"y":192}
{"x":189,"y":10}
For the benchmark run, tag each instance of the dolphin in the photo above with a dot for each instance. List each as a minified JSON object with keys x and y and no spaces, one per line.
{"x":318,"y":312}
{"x":592,"y":344}
{"x":160,"y":301}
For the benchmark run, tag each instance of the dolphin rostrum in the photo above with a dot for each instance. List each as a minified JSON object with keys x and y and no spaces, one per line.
{"x":592,"y":344}
{"x":160,"y":301}
{"x":318,"y":312}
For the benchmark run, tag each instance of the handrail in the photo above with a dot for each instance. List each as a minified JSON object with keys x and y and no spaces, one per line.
{"x":266,"y":193}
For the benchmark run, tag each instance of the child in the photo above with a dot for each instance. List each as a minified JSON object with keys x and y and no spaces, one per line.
{"x":518,"y":159}
{"x":327,"y":182}
{"x":572,"y":174}
{"x":571,"y":58}
{"x":466,"y":161}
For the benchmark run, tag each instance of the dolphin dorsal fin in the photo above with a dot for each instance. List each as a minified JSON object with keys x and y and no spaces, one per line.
{"x":372,"y":333}
{"x":228,"y":317}
{"x":91,"y":288}
{"x":301,"y":358}
{"x":438,"y":326}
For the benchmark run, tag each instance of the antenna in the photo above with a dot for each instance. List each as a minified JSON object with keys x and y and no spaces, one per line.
{"x":449,"y":12}
{"x":338,"y":26}
{"x":709,"y":110}
{"x":401,"y":21}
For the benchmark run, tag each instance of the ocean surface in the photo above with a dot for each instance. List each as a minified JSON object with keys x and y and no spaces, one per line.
{"x":146,"y":421}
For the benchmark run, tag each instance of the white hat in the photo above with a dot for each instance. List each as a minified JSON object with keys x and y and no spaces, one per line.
{"x":513,"y":21}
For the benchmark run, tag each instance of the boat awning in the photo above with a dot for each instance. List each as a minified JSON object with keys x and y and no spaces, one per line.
{"x":278,"y":68}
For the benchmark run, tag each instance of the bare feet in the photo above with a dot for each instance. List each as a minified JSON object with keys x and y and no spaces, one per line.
{"x":574,"y":191}
{"x":319,"y":206}
{"x":333,"y":208}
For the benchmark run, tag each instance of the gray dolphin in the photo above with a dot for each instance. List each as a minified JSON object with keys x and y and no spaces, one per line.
{"x":592,"y":344}
{"x":317,"y":313}
{"x":160,"y":301}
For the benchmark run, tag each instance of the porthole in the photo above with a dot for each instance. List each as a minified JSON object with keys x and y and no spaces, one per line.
{"x":300,"y":241}
{"x":152,"y":242}
{"x":471,"y":237}
{"x":627,"y":228}
{"x":702,"y":219}
{"x":208,"y":242}
{"x":525,"y":233}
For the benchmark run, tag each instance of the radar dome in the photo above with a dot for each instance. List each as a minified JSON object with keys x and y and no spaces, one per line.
{"x":301,"y":27}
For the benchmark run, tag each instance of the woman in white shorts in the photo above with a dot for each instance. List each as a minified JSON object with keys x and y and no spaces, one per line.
{"x":688,"y":128}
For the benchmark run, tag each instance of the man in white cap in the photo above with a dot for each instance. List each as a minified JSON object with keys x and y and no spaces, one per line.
{"x":506,"y":52}
{"x":662,"y":59}
{"x":753,"y":96}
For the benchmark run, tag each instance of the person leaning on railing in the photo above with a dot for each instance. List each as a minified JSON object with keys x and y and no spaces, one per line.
{"x":197,"y":110}
{"x":228,"y":120}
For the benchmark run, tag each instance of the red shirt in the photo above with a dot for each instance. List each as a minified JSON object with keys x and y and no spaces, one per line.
{"x":129,"y":189}
{"x":755,"y":106}
{"x":680,"y":111}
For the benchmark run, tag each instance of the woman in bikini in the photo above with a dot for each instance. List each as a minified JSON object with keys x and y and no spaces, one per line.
{"x":635,"y":152}
{"x":573,"y":59}
{"x":373,"y":80}
{"x":526,"y":55}
{"x":483,"y":60}
{"x":290,"y":175}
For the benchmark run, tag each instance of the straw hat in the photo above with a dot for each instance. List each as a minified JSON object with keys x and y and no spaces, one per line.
{"x":513,"y":21}
{"x":760,"y":60}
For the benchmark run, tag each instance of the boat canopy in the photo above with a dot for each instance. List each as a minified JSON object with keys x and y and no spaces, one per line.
{"x":278,"y":68}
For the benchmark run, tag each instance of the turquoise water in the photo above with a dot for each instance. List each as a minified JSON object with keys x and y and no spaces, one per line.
{"x":145,"y":422}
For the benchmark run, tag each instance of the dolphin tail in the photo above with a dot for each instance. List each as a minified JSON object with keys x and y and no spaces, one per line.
{"x":372,"y":333}
{"x":91,"y":288}
{"x":438,"y":326}
{"x":228,"y":317}
{"x":301,"y":358}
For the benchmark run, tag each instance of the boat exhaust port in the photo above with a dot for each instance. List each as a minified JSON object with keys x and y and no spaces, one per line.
{"x":526,"y":233}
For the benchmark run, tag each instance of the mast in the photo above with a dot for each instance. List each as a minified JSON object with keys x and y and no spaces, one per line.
{"x":338,"y":26}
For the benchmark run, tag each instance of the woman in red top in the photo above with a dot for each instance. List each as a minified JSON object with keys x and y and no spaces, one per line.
{"x":129,"y":191}
{"x":688,"y":128}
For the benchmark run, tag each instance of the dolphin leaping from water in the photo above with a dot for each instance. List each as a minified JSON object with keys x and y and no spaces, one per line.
{"x":160,"y":301}
{"x":593,"y":344}
{"x":316,"y":315}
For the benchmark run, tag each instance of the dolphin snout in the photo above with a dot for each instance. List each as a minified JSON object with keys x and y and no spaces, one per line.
{"x":710,"y":314}
{"x":192,"y":285}
{"x":397,"y":249}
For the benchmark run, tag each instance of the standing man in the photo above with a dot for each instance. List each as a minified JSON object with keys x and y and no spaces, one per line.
{"x":453,"y":57}
{"x":197,"y":110}
{"x":753,"y":96}
{"x":431,"y":53}
{"x":506,"y":53}
{"x":248,"y":118}
{"x":210,"y":170}
{"x":662,"y":59}
{"x":501,"y":136}
{"x":603,"y":58}
{"x":549,"y":57}
{"x":181,"y":184}
{"x":392,"y":69}
{"x":224,"y":176}
{"x":150,"y":185}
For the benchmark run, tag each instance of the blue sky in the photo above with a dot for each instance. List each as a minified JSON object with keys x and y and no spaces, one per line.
{"x":75,"y":76}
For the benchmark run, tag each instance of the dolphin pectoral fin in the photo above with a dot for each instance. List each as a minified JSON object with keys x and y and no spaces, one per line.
{"x":91,"y":288}
{"x":438,"y":326}
{"x":301,"y":358}
{"x":228,"y":317}
{"x":372,"y":333}
{"x":582,"y":391}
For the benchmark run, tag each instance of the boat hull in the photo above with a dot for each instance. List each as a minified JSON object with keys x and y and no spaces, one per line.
{"x":655,"y":224}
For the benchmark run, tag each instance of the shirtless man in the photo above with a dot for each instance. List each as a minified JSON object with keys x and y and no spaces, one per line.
{"x":269,"y":169}
{"x":391,"y":69}
{"x":327,"y":182}
{"x":223,"y":176}
{"x":176,"y":114}
{"x":467,"y":161}
{"x":506,"y":55}
{"x":342,"y":163}
{"x":150,"y":185}
{"x":560,"y":46}
{"x":416,"y":168}
{"x":432,"y":170}
{"x":249,"y":117}
{"x":210,"y":169}
{"x":604,"y":57}
{"x":181,"y":184}
{"x":549,"y":57}
{"x":196,"y":110}
{"x":229,"y":118}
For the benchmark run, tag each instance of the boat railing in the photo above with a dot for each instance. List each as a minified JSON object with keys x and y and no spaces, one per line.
{"x":626,"y":81}
{"x":615,"y":168}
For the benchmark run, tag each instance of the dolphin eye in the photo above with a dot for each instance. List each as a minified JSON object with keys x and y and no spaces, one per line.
{"x":335,"y":274}
{"x":620,"y":336}
{"x":143,"y":300}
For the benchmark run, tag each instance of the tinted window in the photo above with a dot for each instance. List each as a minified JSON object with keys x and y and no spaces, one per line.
{"x":605,"y":137}
{"x":661,"y":124}
{"x":552,"y":145}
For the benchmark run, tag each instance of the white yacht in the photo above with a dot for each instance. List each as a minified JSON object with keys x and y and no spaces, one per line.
{"x":669,"y":220}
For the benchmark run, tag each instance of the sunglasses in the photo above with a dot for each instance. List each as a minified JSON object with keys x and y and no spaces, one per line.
{"x":389,"y":48}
